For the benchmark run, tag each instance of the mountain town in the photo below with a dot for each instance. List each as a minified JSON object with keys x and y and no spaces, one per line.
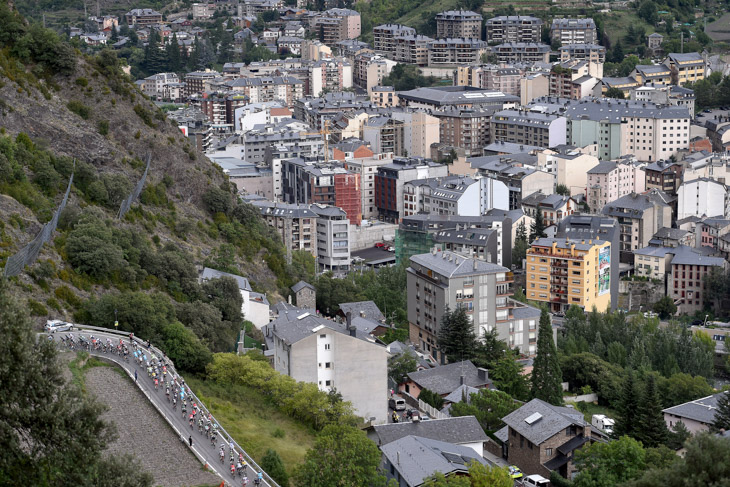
{"x":336,"y":243}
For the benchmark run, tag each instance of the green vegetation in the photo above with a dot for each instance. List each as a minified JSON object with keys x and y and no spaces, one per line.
{"x":431,"y":398}
{"x":272,"y":464}
{"x":341,"y":456}
{"x":722,"y":415}
{"x":79,"y":109}
{"x":479,"y":476}
{"x":405,"y":77}
{"x":400,"y":365}
{"x":546,"y":375}
{"x":488,"y":406}
{"x":63,"y":433}
{"x":248,"y":415}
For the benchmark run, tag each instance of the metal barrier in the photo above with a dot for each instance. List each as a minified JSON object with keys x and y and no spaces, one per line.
{"x":221,"y":431}
{"x":28,"y":254}
{"x":127,"y":203}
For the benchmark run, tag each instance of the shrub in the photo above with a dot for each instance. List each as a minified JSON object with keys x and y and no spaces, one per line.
{"x":79,"y":109}
{"x":36,"y":308}
{"x":145,"y":115}
{"x":103,"y":127}
{"x":64,"y":293}
{"x":53,"y":303}
{"x":83,"y":82}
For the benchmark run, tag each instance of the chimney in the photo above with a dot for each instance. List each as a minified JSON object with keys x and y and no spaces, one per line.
{"x":483,"y":374}
{"x":362,"y":313}
{"x":289,"y":299}
{"x":461,"y":379}
{"x":475,"y":264}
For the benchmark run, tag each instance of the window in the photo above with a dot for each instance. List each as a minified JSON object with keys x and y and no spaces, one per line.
{"x":326,"y":346}
{"x":323,"y":336}
{"x":328,"y":383}
{"x":548,"y":452}
{"x":328,"y":365}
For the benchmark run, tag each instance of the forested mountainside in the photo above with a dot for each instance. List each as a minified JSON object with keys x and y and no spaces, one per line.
{"x":62,"y":113}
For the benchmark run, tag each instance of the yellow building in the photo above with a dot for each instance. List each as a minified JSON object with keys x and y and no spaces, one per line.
{"x":562,"y":272}
{"x":686,"y":68}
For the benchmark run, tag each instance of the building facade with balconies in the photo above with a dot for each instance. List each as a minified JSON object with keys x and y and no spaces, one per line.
{"x":562,"y":273}
{"x":438,"y":281}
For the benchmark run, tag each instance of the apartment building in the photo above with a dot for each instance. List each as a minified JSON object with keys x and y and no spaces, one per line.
{"x":702,"y":198}
{"x":257,"y":141}
{"x":333,"y":238}
{"x":522,"y":52}
{"x":665,"y":176}
{"x":553,"y":207}
{"x":437,"y":281}
{"x":652,"y":74}
{"x":337,"y":24}
{"x":517,"y":172}
{"x":640,"y":217}
{"x":296,"y":224}
{"x":277,"y":152}
{"x":453,"y":195}
{"x":459,"y":23}
{"x":260,"y":89}
{"x":334,"y":356}
{"x":330,"y":75}
{"x":529,"y":128}
{"x":199,"y":81}
{"x":502,"y":78}
{"x":143,"y":17}
{"x":467,"y":130}
{"x":384,"y":96}
{"x":390,"y":179}
{"x":384,"y":134}
{"x":367,"y":168}
{"x":220,"y":108}
{"x":384,"y":36}
{"x":322,"y":183}
{"x":686,"y":68}
{"x":421,"y":130}
{"x":583,"y":52}
{"x":369,"y":69}
{"x":687,"y":285}
{"x":610,"y":180}
{"x":453,"y":51}
{"x":154,"y":86}
{"x":412,"y":49}
{"x":566,"y":272}
{"x":513,"y":28}
{"x":666,"y":95}
{"x":595,"y":227}
{"x":436,"y":97}
{"x":574,"y":31}
{"x":569,"y":165}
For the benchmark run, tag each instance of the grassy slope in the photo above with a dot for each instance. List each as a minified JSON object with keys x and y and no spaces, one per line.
{"x":617,"y":22}
{"x":253,"y":422}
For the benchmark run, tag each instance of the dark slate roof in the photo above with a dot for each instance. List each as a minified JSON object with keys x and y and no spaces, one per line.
{"x":242,"y":282}
{"x":464,"y":429}
{"x":417,"y":458}
{"x":301,"y":285}
{"x":572,"y":444}
{"x":446,"y":378}
{"x":673,"y":233}
{"x":691,"y":256}
{"x":702,"y":410}
{"x":450,"y":264}
{"x":292,"y":326}
{"x":368,"y":308}
{"x":603,"y":167}
{"x":459,"y":393}
{"x":553,"y":420}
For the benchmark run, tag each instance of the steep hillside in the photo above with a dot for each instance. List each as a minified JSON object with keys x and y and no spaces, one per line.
{"x":57,"y":106}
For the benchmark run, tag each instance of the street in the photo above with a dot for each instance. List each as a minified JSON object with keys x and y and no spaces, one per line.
{"x":201,"y":446}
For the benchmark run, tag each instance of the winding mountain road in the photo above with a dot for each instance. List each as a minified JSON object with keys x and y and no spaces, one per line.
{"x":206,"y":452}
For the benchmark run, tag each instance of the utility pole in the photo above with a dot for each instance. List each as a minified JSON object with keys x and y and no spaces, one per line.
{"x":682,"y":44}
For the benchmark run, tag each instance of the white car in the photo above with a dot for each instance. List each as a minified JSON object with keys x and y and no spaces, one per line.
{"x":52,"y":326}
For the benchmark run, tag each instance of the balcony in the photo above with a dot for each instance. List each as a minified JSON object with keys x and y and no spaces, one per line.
{"x":509,"y":277}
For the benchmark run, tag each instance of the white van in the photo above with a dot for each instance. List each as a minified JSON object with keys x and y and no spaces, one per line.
{"x":535,"y":481}
{"x":397,"y":403}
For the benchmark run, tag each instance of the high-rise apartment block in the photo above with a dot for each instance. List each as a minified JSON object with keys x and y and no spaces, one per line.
{"x":459,"y":23}
{"x":513,"y":28}
{"x":562,"y":273}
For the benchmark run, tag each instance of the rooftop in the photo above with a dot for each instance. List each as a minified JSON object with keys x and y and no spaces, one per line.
{"x":447,"y":378}
{"x":702,"y":410}
{"x":450,"y":265}
{"x":539,"y":421}
{"x":242,"y":282}
{"x":463,"y":429}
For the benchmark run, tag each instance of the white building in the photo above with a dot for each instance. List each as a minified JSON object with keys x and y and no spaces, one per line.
{"x":255,"y":306}
{"x":702,"y":197}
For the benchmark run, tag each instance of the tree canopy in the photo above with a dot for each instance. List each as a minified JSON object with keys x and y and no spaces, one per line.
{"x":546,"y":374}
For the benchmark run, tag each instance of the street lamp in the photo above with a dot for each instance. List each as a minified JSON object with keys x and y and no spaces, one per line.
{"x":705,"y":322}
{"x":116,"y":321}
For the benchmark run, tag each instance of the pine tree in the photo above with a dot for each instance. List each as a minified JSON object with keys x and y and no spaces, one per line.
{"x":172,"y":51}
{"x":627,"y":407}
{"x":519,"y":249}
{"x":546,"y":374}
{"x":722,"y":414}
{"x":272,"y":464}
{"x":537,"y":229}
{"x":155,"y":60}
{"x":456,"y":338}
{"x":650,"y":429}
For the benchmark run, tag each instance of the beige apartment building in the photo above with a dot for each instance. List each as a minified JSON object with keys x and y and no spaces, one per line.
{"x":459,"y":23}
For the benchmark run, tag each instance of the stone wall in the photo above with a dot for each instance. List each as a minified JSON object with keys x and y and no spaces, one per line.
{"x":635,"y":294}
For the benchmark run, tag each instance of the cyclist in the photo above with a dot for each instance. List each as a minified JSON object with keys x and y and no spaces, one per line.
{"x":244,"y":482}
{"x":259,"y":478}
{"x":156,"y":383}
{"x":233,"y":469}
{"x":222,"y":455}
{"x":174,"y":403}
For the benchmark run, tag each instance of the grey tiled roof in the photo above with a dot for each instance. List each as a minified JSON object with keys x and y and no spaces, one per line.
{"x":451,"y":264}
{"x":418,"y":458}
{"x":242,"y":282}
{"x":369,"y":308}
{"x":554,"y":420}
{"x":460,"y":392}
{"x":464,"y":429}
{"x":603,"y":167}
{"x":301,"y":285}
{"x":702,"y":410}
{"x":296,"y":324}
{"x":690,"y":256}
{"x":565,"y":243}
{"x":447,"y":378}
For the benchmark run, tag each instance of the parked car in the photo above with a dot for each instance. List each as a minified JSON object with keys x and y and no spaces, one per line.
{"x":390,"y":249}
{"x":379,"y":245}
{"x":397,"y":403}
{"x":515,"y":472}
{"x":52,"y":326}
{"x":535,"y":481}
